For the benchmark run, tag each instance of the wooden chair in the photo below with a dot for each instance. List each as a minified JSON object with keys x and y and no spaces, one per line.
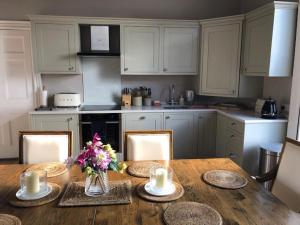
{"x":286,"y":184}
{"x":149,"y":145}
{"x":44,"y":146}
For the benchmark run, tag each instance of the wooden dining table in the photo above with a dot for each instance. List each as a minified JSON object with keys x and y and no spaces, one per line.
{"x":251,"y":205}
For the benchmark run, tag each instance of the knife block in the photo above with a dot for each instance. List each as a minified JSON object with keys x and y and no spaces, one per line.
{"x":126,"y":100}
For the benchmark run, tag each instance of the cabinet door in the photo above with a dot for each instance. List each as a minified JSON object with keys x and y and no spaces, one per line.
{"x":55,"y":48}
{"x":234,"y":147}
{"x":205,"y":134}
{"x":142,"y":121}
{"x":141,"y":47}
{"x":220,"y":60}
{"x":257,"y":47}
{"x":180,"y":50}
{"x":59,"y":123}
{"x":221,"y":136}
{"x":183,"y":137}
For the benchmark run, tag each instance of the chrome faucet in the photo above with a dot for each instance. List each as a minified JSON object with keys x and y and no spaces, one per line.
{"x":172,"y":94}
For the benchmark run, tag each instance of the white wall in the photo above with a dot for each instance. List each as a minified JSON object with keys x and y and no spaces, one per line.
{"x":170,"y":9}
{"x":279,"y":89}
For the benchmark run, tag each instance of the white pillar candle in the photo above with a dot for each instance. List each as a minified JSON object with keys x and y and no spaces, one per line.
{"x":161,"y":178}
{"x":32,"y":182}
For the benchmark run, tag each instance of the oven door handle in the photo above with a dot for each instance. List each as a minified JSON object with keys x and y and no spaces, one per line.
{"x":85,"y":123}
{"x":112,"y":122}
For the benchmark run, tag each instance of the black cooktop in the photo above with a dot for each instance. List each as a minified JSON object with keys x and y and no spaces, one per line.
{"x":99,"y":107}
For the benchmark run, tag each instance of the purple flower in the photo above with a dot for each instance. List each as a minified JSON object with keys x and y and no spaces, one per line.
{"x":94,"y":156}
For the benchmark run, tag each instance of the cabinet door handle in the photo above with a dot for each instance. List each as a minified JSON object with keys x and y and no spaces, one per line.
{"x":232,"y":136}
{"x":125,"y":69}
{"x":233,"y":124}
{"x":233,"y":91}
{"x":165,"y":69}
{"x":71,"y":68}
{"x":142,"y":117}
{"x":167,"y":117}
{"x":232,"y":155}
{"x":200,"y":117}
{"x":69,"y":119}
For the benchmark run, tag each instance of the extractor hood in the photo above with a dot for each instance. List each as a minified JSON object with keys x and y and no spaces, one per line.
{"x":99,"y":40}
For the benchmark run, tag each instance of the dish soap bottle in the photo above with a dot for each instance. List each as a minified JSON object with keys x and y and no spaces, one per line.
{"x":181,"y":100}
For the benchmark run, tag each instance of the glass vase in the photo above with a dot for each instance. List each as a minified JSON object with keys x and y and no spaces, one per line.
{"x":96,"y":185}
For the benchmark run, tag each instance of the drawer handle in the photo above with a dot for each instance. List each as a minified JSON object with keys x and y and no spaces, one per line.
{"x":69,"y":119}
{"x":232,"y":136}
{"x":71,"y":68}
{"x":167,"y":117}
{"x":125,"y":69}
{"x":142,"y":117}
{"x":165,"y":69}
{"x":233,"y":123}
{"x":200,"y":117}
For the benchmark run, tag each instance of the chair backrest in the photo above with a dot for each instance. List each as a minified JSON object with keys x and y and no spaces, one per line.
{"x":44,"y":146}
{"x":149,"y":145}
{"x":286,"y":185}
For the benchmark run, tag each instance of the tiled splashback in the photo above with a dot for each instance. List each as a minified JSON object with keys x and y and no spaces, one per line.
{"x":160,"y":84}
{"x":101,"y":83}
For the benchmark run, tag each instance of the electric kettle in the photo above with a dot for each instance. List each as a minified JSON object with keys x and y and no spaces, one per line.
{"x":269,"y":109}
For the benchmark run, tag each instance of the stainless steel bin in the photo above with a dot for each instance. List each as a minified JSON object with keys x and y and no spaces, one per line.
{"x":269,"y":157}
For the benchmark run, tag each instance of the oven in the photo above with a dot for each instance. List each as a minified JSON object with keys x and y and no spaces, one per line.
{"x":106,"y":125}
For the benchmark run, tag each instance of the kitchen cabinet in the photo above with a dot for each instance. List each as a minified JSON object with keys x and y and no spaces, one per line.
{"x":220,"y":56}
{"x":221,"y":136}
{"x":270,"y":40}
{"x":159,"y":49}
{"x":234,"y":146}
{"x":182,"y":125}
{"x":58,"y":122}
{"x":142,"y":121}
{"x":205,"y":124}
{"x":141,"y":50}
{"x":55,"y":48}
{"x":241,"y":141}
{"x":180,"y":50}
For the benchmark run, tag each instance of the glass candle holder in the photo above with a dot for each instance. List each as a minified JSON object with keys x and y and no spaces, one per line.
{"x":33,"y":182}
{"x":161,"y":177}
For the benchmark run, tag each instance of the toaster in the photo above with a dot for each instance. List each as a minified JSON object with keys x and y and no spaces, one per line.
{"x":66,"y":100}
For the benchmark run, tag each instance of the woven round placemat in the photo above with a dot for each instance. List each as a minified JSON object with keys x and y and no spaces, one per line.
{"x":56,"y":190}
{"x":141,"y":169}
{"x":179,"y":192}
{"x":191,"y":213}
{"x":225,"y":179}
{"x":6,"y":219}
{"x":53,"y":168}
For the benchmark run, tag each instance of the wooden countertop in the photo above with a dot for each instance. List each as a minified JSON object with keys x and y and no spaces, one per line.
{"x":250,"y":205}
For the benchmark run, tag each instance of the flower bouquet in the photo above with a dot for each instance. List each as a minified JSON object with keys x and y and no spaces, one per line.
{"x":95,"y":160}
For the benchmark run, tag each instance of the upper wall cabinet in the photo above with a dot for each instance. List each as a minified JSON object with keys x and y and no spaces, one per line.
{"x":141,"y":50}
{"x":180,"y":50}
{"x":269,"y":40}
{"x":159,"y":50}
{"x":220,"y":56}
{"x":55,"y":48}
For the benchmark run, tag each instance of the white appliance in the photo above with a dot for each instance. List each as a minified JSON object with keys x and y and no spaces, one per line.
{"x":65,"y":100}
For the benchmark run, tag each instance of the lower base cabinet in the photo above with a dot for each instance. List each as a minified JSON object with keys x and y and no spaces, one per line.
{"x":182,"y":125}
{"x":205,"y":124}
{"x":61,"y":122}
{"x":241,"y":141}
